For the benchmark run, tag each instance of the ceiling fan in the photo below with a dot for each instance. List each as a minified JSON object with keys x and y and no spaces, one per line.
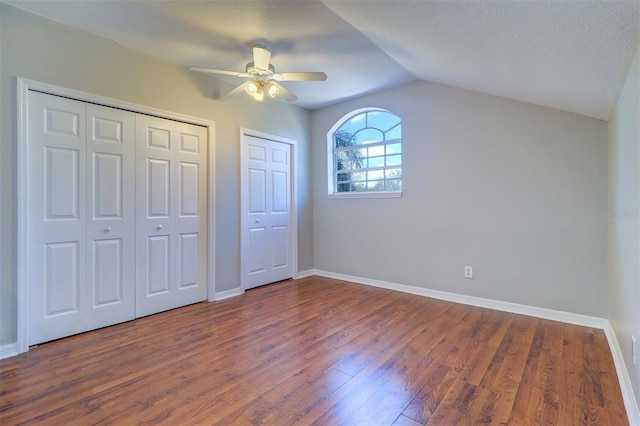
{"x":263,"y":77}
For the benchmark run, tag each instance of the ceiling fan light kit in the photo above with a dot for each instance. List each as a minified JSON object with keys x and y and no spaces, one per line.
{"x":264,"y":77}
{"x":272,"y":90}
{"x":256,"y":89}
{"x":259,"y":95}
{"x":251,"y":88}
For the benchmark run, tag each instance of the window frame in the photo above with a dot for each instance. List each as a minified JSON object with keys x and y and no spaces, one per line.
{"x":332,"y":167}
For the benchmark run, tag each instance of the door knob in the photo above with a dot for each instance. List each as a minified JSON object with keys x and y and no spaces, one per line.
{"x":107,"y":229}
{"x":158,"y":227}
{"x":257,"y":220}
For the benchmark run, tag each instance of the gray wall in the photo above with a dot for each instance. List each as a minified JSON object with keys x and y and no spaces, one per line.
{"x":41,"y":50}
{"x":624,"y":220}
{"x":515,"y":190}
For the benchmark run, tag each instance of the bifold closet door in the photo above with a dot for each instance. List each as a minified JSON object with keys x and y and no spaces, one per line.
{"x":80,"y":160}
{"x":171,"y":214}
{"x":266,"y":192}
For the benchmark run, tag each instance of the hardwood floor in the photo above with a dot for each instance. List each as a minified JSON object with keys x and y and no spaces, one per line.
{"x":319,"y":351}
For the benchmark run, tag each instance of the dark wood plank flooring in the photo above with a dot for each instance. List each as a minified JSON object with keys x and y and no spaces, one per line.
{"x":319,"y":351}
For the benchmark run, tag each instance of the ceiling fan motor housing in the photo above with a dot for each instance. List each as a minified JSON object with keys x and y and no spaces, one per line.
{"x":259,"y":74}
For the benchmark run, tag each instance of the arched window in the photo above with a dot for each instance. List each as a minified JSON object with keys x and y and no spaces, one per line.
{"x":365,"y":154}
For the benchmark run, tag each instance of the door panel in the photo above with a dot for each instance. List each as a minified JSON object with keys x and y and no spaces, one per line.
{"x":158,"y":193}
{"x":188,"y":188}
{"x":188,"y":260}
{"x":171,"y":182}
{"x":108,"y":286}
{"x":111,"y":220}
{"x":159,"y":262}
{"x":61,"y":274}
{"x":279,"y":236}
{"x":62,"y":183}
{"x":280,"y":188}
{"x":81,"y":219}
{"x":61,"y":121}
{"x":158,"y":138}
{"x":190,"y":142}
{"x":56,"y":152}
{"x":266,"y":200}
{"x":106,"y":129}
{"x":190,"y":212}
{"x":155,"y":222}
{"x":107,"y":180}
{"x":257,"y":191}
{"x":257,"y":250}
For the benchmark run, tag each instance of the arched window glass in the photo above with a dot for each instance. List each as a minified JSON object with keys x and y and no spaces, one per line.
{"x":366,"y":153}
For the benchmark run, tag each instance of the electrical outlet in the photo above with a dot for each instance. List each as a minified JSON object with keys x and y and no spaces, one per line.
{"x":634,"y":352}
{"x":468,"y":271}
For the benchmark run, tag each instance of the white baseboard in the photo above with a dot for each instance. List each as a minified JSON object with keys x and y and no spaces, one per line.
{"x":633,"y":411}
{"x":515,"y":308}
{"x":228,"y":294}
{"x":7,"y":351}
{"x":307,"y":273}
{"x":567,"y":317}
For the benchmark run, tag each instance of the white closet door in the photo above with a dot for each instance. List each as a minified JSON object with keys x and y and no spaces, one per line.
{"x":111,"y":214}
{"x":171,"y":225}
{"x":266,"y":192}
{"x":80,"y":217}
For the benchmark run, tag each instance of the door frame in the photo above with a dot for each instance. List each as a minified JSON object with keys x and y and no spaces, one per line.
{"x":22,"y":90}
{"x":293,"y":200}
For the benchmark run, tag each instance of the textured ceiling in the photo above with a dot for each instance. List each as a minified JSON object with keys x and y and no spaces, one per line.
{"x":569,"y":55}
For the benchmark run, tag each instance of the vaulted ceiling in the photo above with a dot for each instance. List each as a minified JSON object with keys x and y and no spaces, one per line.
{"x":569,"y":55}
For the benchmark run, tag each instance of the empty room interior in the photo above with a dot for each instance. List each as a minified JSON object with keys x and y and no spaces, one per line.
{"x":320,"y":212}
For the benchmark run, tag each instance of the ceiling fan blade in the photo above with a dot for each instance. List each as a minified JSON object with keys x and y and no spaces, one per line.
{"x":283,"y":93}
{"x":239,"y":89}
{"x":215,"y":71}
{"x":300,"y":76}
{"x":261,"y":58}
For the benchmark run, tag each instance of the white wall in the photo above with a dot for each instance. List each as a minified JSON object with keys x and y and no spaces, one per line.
{"x":624,"y":220}
{"x":515,"y":190}
{"x":41,"y":50}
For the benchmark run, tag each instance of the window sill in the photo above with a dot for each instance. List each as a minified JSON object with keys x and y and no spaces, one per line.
{"x":377,"y":194}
